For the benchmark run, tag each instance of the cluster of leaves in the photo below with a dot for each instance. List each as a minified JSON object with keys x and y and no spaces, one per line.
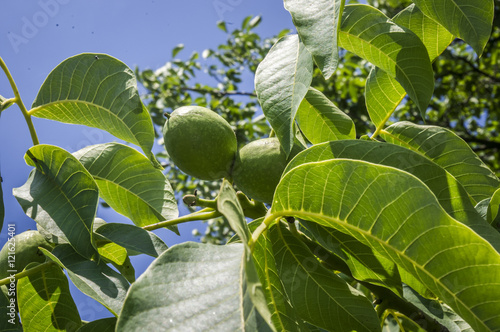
{"x":394,"y":230}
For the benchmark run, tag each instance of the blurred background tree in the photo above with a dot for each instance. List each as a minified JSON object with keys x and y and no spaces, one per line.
{"x":466,"y":97}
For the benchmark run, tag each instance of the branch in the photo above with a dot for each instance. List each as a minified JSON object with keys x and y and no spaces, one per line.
{"x":475,"y":68}
{"x":220,"y":93}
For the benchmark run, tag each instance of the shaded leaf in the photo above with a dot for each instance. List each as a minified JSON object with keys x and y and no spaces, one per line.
{"x":2,"y":206}
{"x":129,"y":183}
{"x":318,"y":295}
{"x":368,"y":33}
{"x":281,"y":82}
{"x":10,"y":320}
{"x":492,"y":216}
{"x":471,"y":21}
{"x":99,"y":325}
{"x":202,"y":287}
{"x":438,"y":311}
{"x":126,"y":269}
{"x":96,"y":280}
{"x":406,"y":224}
{"x":283,"y":316}
{"x":133,"y":238}
{"x":364,"y":263}
{"x":45,"y":302}
{"x":317,"y":24}
{"x":61,"y":196}
{"x":383,"y":93}
{"x":98,"y":91}
{"x":321,"y":120}
{"x":446,"y":149}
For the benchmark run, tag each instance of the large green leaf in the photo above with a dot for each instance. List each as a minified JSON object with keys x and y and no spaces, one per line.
{"x":317,"y":24}
{"x":45,"y":302}
{"x":321,"y":120}
{"x":129,"y":183}
{"x":202,"y":287}
{"x":470,"y":20}
{"x":283,"y":316}
{"x":133,"y":238}
{"x":281,"y":82}
{"x":96,"y":280}
{"x":98,"y":91}
{"x":446,"y":149}
{"x":383,"y":93}
{"x":99,"y":325}
{"x":318,"y":295}
{"x":397,"y":215}
{"x":492,"y":215}
{"x":368,"y":33}
{"x":364,"y":263}
{"x":61,"y":196}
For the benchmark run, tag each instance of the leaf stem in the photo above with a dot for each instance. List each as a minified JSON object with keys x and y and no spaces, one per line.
{"x":17,"y":99}
{"x":268,"y":220}
{"x":199,"y":215}
{"x":26,"y":273}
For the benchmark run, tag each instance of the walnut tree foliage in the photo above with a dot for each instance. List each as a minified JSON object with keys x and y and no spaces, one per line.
{"x":387,"y":221}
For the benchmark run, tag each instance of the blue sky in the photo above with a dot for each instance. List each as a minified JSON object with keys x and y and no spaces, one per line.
{"x":35,"y":36}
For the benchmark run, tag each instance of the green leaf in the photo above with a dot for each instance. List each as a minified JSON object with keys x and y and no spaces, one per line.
{"x":133,"y":238}
{"x":202,"y":287}
{"x":321,"y":120}
{"x":222,"y":25}
{"x":45,"y":302}
{"x":383,"y":93}
{"x":112,"y":252}
{"x":177,"y":49}
{"x":99,"y":325}
{"x":283,"y":316}
{"x":470,"y":20}
{"x":129,"y":183}
{"x":317,"y":24}
{"x":438,"y":311}
{"x":365,"y":263}
{"x":229,"y":206}
{"x":446,"y":149}
{"x":368,"y":33}
{"x":98,"y":91}
{"x":61,"y":196}
{"x":406,"y":224}
{"x":281,"y":82}
{"x":126,"y":269}
{"x":10,"y":320}
{"x":318,"y":295}
{"x":492,"y":215}
{"x":96,"y":280}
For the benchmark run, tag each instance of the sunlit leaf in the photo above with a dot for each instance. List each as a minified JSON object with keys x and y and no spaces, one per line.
{"x":96,"y":280}
{"x":61,"y":196}
{"x":321,"y":121}
{"x":492,"y":216}
{"x":383,"y":93}
{"x":45,"y":302}
{"x":318,"y":295}
{"x":317,"y":24}
{"x":113,"y":252}
{"x":129,"y":183}
{"x":98,"y":91}
{"x":281,"y":82}
{"x":470,"y":20}
{"x":202,"y":287}
{"x":406,"y":224}
{"x":446,"y":149}
{"x":368,"y":33}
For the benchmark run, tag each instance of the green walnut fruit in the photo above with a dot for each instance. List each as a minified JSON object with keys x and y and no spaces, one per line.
{"x":24,"y":247}
{"x":258,"y":168}
{"x":200,"y":142}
